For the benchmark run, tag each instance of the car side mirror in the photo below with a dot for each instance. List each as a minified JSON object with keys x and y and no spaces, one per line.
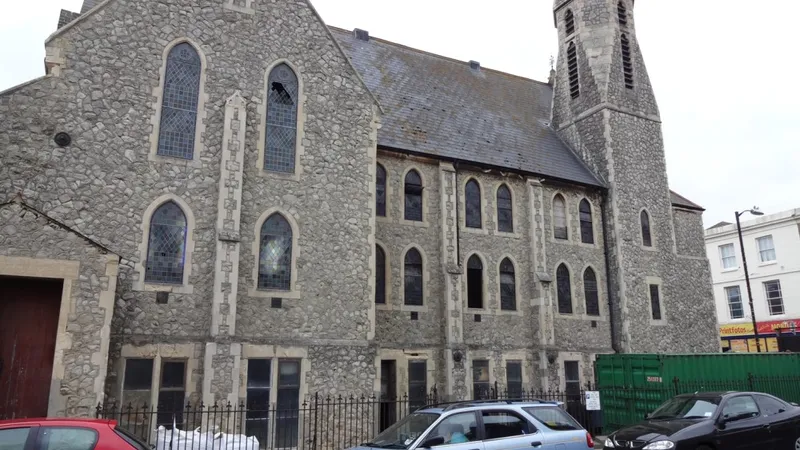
{"x":432,"y":442}
{"x":793,"y":404}
{"x":646,"y":416}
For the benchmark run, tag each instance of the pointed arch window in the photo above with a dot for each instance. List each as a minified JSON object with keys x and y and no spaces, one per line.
{"x":472,"y":198}
{"x":505,"y":210}
{"x":627,"y":64}
{"x":560,"y":218}
{"x":275,"y":257}
{"x":281,"y":135}
{"x":176,"y":134}
{"x":380,"y":191}
{"x":564,"y":288}
{"x":474,"y":282}
{"x":572,"y":68}
{"x":647,"y":239}
{"x":166,"y":248}
{"x":508,"y":286}
{"x":569,"y":22}
{"x":380,"y":275}
{"x":587,"y":230}
{"x":622,"y":14}
{"x":590,"y":292}
{"x":413,"y":196}
{"x":412,"y":284}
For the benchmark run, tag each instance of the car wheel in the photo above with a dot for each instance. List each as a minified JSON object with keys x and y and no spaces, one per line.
{"x":797,"y":444}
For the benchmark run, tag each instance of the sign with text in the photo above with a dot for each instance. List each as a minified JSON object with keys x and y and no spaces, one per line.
{"x":744,"y":329}
{"x":593,"y":400}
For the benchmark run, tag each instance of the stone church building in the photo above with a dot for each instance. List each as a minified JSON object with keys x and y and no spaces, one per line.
{"x":229,"y":200}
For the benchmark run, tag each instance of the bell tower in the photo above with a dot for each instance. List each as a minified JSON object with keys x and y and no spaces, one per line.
{"x":605,"y":109}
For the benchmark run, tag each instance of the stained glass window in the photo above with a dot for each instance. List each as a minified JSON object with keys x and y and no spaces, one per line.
{"x":282,"y":90}
{"x":413,"y":191}
{"x":380,"y":275}
{"x":590,"y":292}
{"x":564,"y":290}
{"x":275,"y":258}
{"x":472,"y":198}
{"x":380,"y":191}
{"x":587,"y":233}
{"x":474,"y":282}
{"x":167,"y":245}
{"x":179,"y":107}
{"x":647,"y":240}
{"x":505,"y":210}
{"x":559,"y":218}
{"x":413,"y":278}
{"x":508,"y":286}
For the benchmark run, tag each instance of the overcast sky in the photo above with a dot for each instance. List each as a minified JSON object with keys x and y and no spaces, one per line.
{"x":724,"y":71}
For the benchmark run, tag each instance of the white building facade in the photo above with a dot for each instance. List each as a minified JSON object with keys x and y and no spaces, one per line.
{"x":772,"y":248}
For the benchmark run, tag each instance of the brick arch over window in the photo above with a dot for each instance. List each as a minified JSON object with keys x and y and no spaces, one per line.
{"x":472,"y":204}
{"x":275,"y":254}
{"x":166,"y":247}
{"x":564,"y":289}
{"x":181,"y":101}
{"x":282,"y":98}
{"x":591,"y":292}
{"x":505,"y":209}
{"x":413,"y":278}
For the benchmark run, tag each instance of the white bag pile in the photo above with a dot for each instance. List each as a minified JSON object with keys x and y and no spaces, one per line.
{"x":176,"y":439}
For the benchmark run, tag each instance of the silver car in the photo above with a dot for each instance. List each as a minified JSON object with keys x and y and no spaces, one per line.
{"x":486,"y":425}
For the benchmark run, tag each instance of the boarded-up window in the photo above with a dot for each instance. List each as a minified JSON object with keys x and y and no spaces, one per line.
{"x":514,"y":379}
{"x":138,"y":382}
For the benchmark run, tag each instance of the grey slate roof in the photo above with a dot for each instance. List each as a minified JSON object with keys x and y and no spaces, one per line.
{"x":66,"y":17}
{"x":89,"y":4}
{"x":719,"y":225}
{"x":441,"y":107}
{"x":679,"y":200}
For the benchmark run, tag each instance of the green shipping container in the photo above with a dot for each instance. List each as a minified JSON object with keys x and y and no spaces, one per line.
{"x":632,"y":385}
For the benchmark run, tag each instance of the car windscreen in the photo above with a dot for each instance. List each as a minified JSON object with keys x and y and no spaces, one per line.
{"x":131,"y":439}
{"x":403,"y":433}
{"x":687,"y":408}
{"x":553,"y":418}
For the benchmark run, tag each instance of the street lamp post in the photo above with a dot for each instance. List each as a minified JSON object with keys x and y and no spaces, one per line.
{"x":754,"y":212}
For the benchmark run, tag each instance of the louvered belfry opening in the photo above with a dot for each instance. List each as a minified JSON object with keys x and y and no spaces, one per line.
{"x":572,"y":66}
{"x":627,"y":64}
{"x":569,"y":22}
{"x":622,"y":14}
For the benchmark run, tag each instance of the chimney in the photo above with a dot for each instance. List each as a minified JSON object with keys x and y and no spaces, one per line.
{"x":361,"y":35}
{"x":475,"y":65}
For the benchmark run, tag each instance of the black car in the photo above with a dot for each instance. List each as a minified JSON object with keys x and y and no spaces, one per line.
{"x":715,"y":420}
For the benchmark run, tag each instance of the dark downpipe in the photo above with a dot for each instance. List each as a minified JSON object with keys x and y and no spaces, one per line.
{"x":612,"y":319}
{"x":458,"y":222}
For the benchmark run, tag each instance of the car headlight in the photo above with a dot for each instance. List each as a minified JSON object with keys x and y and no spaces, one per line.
{"x":609,"y":443}
{"x":660,"y":445}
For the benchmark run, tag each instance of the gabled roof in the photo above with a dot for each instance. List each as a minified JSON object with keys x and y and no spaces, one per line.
{"x":719,"y":225}
{"x":444,"y":108}
{"x":683,"y":202}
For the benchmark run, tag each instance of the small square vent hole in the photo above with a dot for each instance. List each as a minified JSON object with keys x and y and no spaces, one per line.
{"x":414,"y":315}
{"x":277,"y":302}
{"x":162,"y":298}
{"x":478,"y":318}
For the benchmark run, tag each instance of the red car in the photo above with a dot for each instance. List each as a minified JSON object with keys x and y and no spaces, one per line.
{"x":74,"y":434}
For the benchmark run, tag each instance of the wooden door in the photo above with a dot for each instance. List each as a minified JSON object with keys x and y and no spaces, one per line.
{"x":29,"y":309}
